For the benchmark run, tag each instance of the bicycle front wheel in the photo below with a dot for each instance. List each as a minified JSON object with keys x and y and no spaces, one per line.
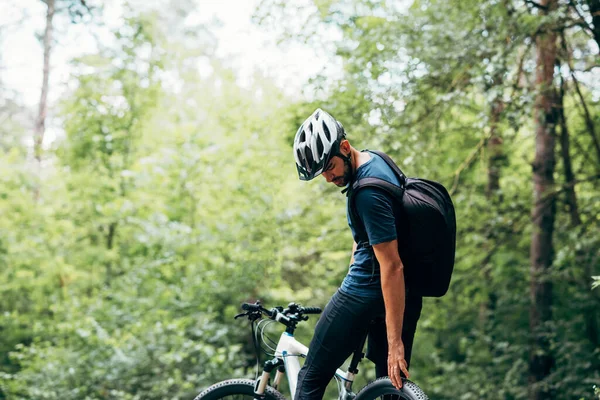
{"x":236,"y":389}
{"x":383,"y":388}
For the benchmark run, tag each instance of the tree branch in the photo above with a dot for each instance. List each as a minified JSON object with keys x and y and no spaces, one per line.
{"x":515,"y":85}
{"x":581,"y":17}
{"x":586,"y":156}
{"x":594,"y":6}
{"x":536,"y":5}
{"x":551,"y":195}
{"x":467,"y":162}
{"x":83,"y":3}
{"x":566,"y":186}
{"x":588,"y":119}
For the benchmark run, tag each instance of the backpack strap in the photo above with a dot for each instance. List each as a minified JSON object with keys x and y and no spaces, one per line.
{"x":395,"y":190}
{"x":399,"y":174}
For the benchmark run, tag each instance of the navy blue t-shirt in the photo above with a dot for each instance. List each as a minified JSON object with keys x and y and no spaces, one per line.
{"x":375,"y":210}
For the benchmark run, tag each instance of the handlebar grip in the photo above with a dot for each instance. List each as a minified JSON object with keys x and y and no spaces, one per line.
{"x":252,"y":307}
{"x":312,"y":310}
{"x":256,"y":307}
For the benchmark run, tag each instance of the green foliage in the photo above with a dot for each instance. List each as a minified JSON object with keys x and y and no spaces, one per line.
{"x":173,"y":197}
{"x":423,"y":83}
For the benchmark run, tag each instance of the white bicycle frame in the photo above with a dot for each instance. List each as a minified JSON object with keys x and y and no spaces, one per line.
{"x":289,"y":350}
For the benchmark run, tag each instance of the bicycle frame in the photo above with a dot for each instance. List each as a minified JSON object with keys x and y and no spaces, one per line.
{"x":287,"y":355}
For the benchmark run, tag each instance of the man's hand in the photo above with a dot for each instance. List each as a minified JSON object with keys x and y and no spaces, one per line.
{"x":397,"y":364}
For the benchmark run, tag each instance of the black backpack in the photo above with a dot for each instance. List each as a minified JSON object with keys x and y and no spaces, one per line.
{"x":425,"y":226}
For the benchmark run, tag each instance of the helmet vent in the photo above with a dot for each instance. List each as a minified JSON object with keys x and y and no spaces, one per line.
{"x":309,"y":160}
{"x":327,"y":133}
{"x":320,"y":147}
{"x":310,"y":127}
{"x":317,"y":115}
{"x":302,"y":137}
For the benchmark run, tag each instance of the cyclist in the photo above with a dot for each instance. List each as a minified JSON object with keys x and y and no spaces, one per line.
{"x":374,"y":286}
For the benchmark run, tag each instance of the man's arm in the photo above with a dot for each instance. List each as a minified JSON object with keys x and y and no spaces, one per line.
{"x":392,"y":286}
{"x":353,"y":250}
{"x":375,"y":207}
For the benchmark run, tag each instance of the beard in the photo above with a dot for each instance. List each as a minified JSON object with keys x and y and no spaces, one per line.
{"x":342,"y":181}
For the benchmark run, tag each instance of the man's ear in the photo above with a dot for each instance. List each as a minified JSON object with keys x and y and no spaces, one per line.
{"x":345,"y":146}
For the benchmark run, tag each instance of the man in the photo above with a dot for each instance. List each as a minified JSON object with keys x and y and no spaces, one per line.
{"x":374,"y":285}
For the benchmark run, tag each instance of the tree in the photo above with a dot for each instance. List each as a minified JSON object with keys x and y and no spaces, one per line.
{"x":446,"y":88}
{"x":173,"y":197}
{"x":75,"y":8}
{"x":546,"y":115}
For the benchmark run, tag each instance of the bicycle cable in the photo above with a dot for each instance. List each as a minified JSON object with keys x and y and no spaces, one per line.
{"x":256,"y":352}
{"x":257,"y":330}
{"x":272,"y":346}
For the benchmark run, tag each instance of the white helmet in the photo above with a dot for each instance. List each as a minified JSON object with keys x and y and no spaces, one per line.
{"x":317,"y":140}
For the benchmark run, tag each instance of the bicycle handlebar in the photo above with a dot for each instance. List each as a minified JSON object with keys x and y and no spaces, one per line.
{"x":312,"y":310}
{"x":289,"y":316}
{"x":256,"y":307}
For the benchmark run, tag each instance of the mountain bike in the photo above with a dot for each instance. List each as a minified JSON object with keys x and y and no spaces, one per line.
{"x":287,"y":353}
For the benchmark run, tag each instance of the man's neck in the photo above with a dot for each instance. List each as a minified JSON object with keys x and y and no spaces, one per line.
{"x":358,"y":158}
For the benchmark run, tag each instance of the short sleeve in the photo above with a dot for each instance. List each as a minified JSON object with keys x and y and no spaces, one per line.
{"x":375,"y":207}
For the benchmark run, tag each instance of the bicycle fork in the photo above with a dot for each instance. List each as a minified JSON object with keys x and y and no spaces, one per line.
{"x":261,"y":384}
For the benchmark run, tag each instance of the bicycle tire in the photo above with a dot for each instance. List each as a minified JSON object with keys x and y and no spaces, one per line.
{"x":384,"y":387}
{"x":236,"y":389}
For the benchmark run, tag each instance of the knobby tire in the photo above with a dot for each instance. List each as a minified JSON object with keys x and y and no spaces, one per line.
{"x":383,"y":388}
{"x":234,"y":389}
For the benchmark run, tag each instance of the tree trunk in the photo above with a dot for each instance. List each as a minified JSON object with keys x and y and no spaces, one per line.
{"x":40,"y":123}
{"x":565,"y":152}
{"x":544,"y":210}
{"x":112,"y":228}
{"x":495,"y":161}
{"x":495,"y":150}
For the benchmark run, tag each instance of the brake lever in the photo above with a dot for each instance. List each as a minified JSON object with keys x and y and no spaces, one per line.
{"x":240,"y":315}
{"x":252,"y":315}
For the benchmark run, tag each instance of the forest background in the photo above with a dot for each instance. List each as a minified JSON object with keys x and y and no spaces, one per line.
{"x":169,"y":195}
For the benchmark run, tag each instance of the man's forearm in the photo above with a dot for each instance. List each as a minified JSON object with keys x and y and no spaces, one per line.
{"x":392,"y":285}
{"x":353,"y":250}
